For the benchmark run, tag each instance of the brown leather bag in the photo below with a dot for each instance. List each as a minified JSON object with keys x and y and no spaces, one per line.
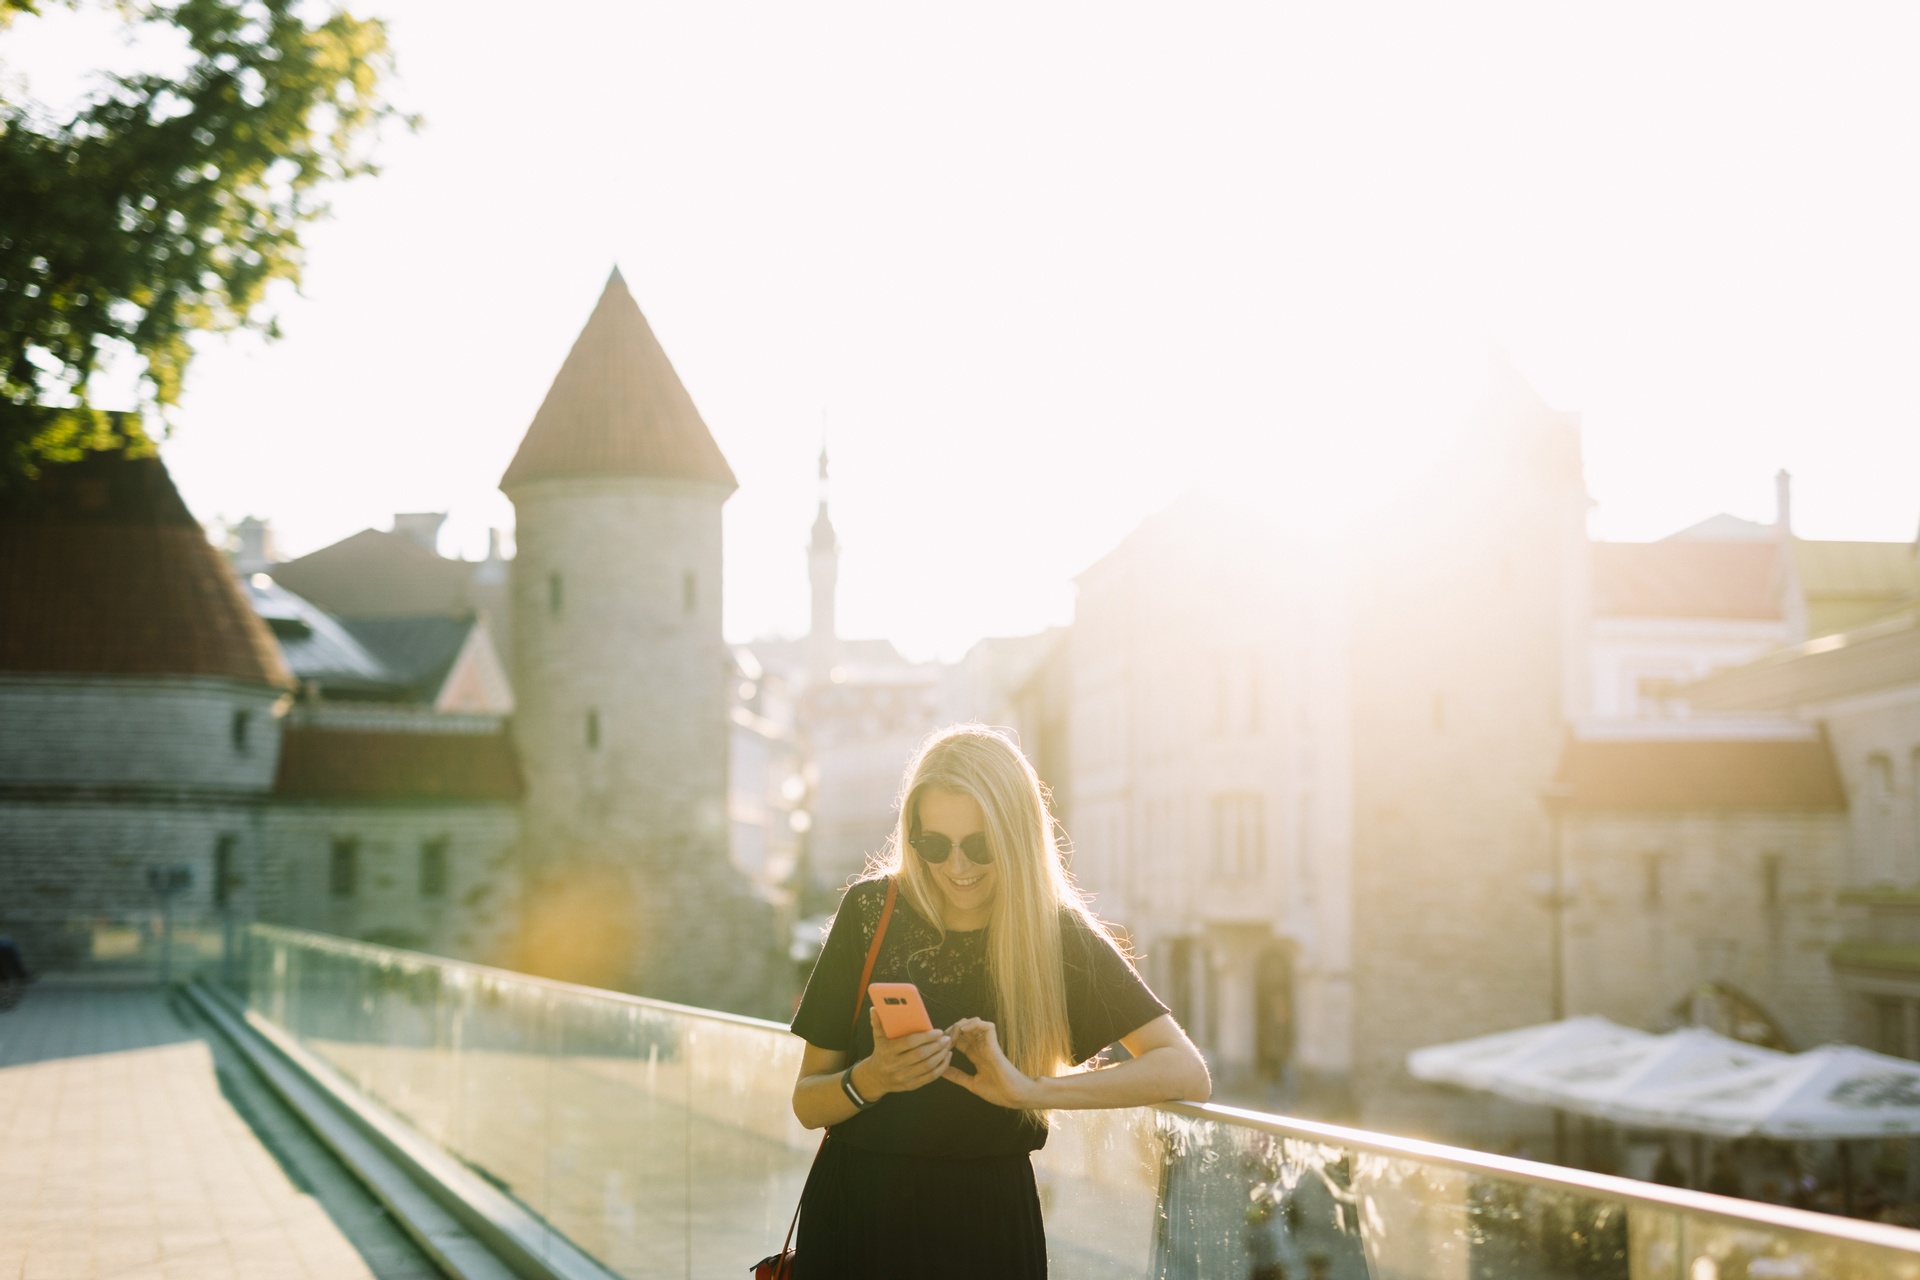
{"x":779,"y":1266}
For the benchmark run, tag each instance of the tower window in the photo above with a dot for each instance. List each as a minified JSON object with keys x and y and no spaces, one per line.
{"x":689,"y":591}
{"x":226,"y":852}
{"x":343,"y":867}
{"x":1770,"y":880}
{"x":1880,"y":778}
{"x":240,"y":728}
{"x":433,"y":867}
{"x":1650,"y":889}
{"x":593,"y":730}
{"x":556,"y":594}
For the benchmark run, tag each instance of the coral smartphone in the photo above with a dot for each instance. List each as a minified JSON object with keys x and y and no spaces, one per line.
{"x":901,"y":1012}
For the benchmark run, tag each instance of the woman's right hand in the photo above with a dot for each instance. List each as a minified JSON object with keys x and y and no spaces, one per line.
{"x":903,"y":1065}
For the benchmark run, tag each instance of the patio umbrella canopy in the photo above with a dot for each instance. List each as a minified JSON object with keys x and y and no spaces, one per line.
{"x":1837,"y":1091}
{"x":1487,"y":1063}
{"x":1690,"y":1081}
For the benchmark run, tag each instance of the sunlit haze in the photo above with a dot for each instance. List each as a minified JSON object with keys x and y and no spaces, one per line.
{"x":1039,"y":270}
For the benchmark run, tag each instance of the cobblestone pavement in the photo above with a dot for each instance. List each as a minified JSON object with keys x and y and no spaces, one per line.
{"x":134,"y":1146}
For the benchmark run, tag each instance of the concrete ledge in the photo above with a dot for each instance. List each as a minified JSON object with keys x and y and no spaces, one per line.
{"x":470,"y":1228}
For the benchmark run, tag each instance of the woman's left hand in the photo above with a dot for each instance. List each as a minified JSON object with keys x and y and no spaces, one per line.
{"x":995,"y":1078}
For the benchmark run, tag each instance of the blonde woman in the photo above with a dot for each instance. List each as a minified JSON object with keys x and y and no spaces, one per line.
{"x":925,"y":1169}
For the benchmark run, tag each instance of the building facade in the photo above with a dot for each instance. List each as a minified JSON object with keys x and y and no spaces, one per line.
{"x":1209,"y":786}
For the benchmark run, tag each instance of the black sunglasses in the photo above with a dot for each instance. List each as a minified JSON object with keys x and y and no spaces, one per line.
{"x":936,"y":848}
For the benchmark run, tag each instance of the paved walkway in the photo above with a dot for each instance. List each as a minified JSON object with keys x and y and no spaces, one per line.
{"x":135,"y":1146}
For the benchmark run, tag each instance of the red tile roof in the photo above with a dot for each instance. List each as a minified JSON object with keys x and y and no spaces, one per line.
{"x":103,"y":571}
{"x":1686,"y":579}
{"x":1709,"y":775}
{"x":341,"y":764}
{"x":617,"y":408}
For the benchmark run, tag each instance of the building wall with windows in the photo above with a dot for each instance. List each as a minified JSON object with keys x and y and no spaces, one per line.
{"x":1208,"y":781}
{"x":437,"y":877}
{"x":1700,"y":863}
{"x":1860,"y":691}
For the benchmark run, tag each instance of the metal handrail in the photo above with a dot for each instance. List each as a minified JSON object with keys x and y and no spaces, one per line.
{"x":1560,"y":1178}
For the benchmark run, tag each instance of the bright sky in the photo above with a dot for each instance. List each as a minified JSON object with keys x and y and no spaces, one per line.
{"x":1045,"y":267}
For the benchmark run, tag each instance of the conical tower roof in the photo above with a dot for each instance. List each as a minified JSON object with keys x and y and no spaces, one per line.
{"x":617,"y":408}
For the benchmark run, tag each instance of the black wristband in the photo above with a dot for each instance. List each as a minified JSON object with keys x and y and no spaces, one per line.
{"x":853,"y":1094}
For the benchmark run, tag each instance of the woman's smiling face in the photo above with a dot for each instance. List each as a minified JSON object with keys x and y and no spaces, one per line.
{"x":966,"y":886}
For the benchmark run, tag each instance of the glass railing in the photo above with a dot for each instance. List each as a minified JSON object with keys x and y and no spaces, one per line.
{"x":135,"y":946}
{"x":659,"y":1139}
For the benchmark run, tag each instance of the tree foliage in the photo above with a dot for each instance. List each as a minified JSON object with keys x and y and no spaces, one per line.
{"x":167,"y":205}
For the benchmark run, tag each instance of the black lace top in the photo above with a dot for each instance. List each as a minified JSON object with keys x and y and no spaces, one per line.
{"x":1106,"y":1000}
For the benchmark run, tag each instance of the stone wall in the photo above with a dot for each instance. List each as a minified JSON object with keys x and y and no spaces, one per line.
{"x":440,"y":878}
{"x":1664,"y":903}
{"x":1467,"y":637}
{"x":104,"y":778}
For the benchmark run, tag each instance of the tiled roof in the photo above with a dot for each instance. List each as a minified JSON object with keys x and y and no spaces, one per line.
{"x":380,"y":575}
{"x":1700,"y":776}
{"x":1686,"y":579}
{"x":103,"y":571}
{"x":316,"y":647}
{"x":420,"y":651}
{"x":617,"y":408}
{"x":368,"y":765}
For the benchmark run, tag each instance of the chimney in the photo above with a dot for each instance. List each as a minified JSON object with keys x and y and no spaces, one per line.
{"x":493,"y":570}
{"x":254,"y":551}
{"x":422,"y":528}
{"x":1793,"y":598}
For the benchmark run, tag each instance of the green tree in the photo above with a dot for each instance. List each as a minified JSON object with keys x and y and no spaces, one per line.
{"x":167,"y":205}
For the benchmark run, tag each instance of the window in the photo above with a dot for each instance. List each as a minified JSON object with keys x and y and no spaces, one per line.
{"x":1880,"y":778}
{"x":556,"y":594}
{"x":1236,"y":693}
{"x":1893,"y":1020}
{"x":433,"y":867}
{"x":240,"y":729}
{"x":343,"y":867}
{"x":226,"y":858}
{"x":1651,"y":885}
{"x":593,"y":730}
{"x":689,"y":591}
{"x":1770,"y":880}
{"x":1238,"y":839}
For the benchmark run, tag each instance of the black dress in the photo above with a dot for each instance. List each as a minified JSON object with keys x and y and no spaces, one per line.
{"x":937,"y":1181}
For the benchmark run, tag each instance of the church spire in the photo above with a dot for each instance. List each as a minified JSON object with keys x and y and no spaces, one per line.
{"x":823,"y":575}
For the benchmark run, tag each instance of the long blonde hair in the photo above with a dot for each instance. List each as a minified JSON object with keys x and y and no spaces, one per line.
{"x":1032,"y":887}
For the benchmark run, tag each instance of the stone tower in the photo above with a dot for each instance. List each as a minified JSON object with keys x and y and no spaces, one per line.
{"x":823,"y":574}
{"x":620,"y":679}
{"x":1467,"y":659}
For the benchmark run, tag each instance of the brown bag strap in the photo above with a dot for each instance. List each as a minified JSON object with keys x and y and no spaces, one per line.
{"x":784,"y":1268}
{"x":873,"y":954}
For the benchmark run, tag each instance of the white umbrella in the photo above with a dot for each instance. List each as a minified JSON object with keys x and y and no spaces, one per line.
{"x":1837,"y":1091}
{"x":1485,"y":1061}
{"x":1606,"y":1079}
